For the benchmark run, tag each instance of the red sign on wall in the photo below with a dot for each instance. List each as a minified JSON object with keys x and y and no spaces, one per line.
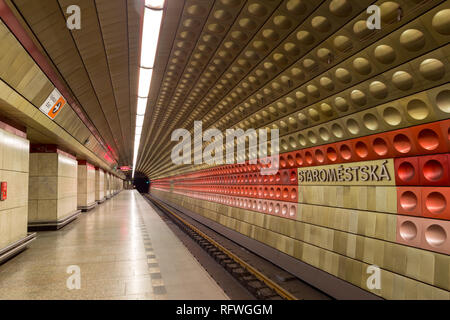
{"x":4,"y":191}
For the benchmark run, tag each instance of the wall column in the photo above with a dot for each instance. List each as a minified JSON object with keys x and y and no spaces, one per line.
{"x":52,"y":189}
{"x":99,"y":185}
{"x":14,"y":167}
{"x":86,"y":186}
{"x":107,"y":190}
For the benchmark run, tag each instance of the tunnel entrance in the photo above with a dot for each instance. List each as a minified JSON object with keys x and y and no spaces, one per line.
{"x":141,"y":182}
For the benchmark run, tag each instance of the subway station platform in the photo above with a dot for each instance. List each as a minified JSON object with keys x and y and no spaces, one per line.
{"x":124,"y":251}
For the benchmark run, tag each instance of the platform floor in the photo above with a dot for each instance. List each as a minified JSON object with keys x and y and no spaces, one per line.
{"x":124,"y":251}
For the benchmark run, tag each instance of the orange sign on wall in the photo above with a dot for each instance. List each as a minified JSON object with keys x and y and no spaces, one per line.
{"x":56,"y":108}
{"x":53,"y":105}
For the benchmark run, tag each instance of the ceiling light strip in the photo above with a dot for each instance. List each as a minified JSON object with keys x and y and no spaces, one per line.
{"x":153,"y":13}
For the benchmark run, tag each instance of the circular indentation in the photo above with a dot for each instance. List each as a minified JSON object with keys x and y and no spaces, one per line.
{"x":313,"y":91}
{"x":342,"y":43}
{"x":435,"y":202}
{"x":361,"y":149}
{"x":337,"y":131}
{"x":360,"y":29}
{"x":435,"y":235}
{"x":402,"y":143}
{"x":291,"y":49}
{"x":292,"y":211}
{"x":282,"y":22}
{"x":406,"y":171}
{"x":257,"y":9}
{"x":216,"y":28}
{"x":222,"y":15}
{"x":432,"y":69}
{"x":408,"y":201}
{"x":247,"y":23}
{"x":441,"y":22}
{"x":353,"y":126}
{"x":319,"y":156}
{"x":331,"y":154}
{"x":392,"y":116}
{"x":402,"y":80}
{"x":308,"y":157}
{"x":326,"y":109}
{"x":443,"y":101}
{"x":378,"y":89}
{"x":380,"y":146}
{"x":297,"y":74}
{"x":417,"y":109}
{"x":315,"y":116}
{"x":340,"y":8}
{"x":312,"y":137}
{"x":298,"y":159}
{"x":358,"y":97}
{"x":385,"y":54}
{"x":231,"y":3}
{"x":300,"y":96}
{"x":191,"y":23}
{"x":389,"y":11}
{"x":239,"y":36}
{"x":408,"y":231}
{"x":343,"y":75}
{"x":296,"y":6}
{"x":324,"y":134}
{"x":196,"y":10}
{"x":345,"y":152}
{"x":301,"y":139}
{"x":341,"y":104}
{"x":270,"y":34}
{"x":428,"y":139}
{"x":327,"y":83}
{"x":362,"y":66}
{"x":433,"y":170}
{"x":321,"y":24}
{"x":305,"y":37}
{"x":412,"y":39}
{"x":325,"y":55}
{"x":370,"y":121}
{"x":260,"y":46}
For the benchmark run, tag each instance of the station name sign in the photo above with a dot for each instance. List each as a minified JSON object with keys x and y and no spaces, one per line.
{"x":379,"y":172}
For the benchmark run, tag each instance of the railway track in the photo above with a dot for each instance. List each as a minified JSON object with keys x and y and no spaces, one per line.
{"x":257,"y":282}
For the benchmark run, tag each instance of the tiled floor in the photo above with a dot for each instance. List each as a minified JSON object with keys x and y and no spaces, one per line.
{"x":124,"y":251}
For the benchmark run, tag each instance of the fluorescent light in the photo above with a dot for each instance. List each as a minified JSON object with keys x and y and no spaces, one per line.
{"x":152,"y":25}
{"x":139,"y":121}
{"x":142,"y":106}
{"x":155,"y":4}
{"x":150,"y":37}
{"x":145,"y":79}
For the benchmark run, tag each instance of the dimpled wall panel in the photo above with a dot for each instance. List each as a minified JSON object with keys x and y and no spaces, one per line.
{"x":364,"y":148}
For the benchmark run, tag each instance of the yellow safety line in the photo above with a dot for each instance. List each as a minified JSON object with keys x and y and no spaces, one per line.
{"x":282,"y":292}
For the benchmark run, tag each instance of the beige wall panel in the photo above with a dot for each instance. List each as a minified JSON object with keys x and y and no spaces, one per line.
{"x":14,"y":167}
{"x":342,"y":254}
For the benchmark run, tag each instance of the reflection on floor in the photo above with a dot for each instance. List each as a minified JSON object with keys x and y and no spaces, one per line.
{"x":123,"y":250}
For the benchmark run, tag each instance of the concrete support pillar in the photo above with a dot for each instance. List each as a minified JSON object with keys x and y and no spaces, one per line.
{"x":52,"y":189}
{"x":86,"y":186}
{"x":107,"y":187}
{"x":14,"y":167}
{"x":99,"y":185}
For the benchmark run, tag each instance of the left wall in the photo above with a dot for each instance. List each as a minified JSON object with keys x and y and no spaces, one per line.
{"x":14,"y":167}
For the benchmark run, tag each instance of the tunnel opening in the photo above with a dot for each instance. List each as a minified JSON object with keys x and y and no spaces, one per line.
{"x":141,"y":182}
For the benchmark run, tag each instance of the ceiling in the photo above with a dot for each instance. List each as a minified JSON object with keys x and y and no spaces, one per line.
{"x":98,"y":64}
